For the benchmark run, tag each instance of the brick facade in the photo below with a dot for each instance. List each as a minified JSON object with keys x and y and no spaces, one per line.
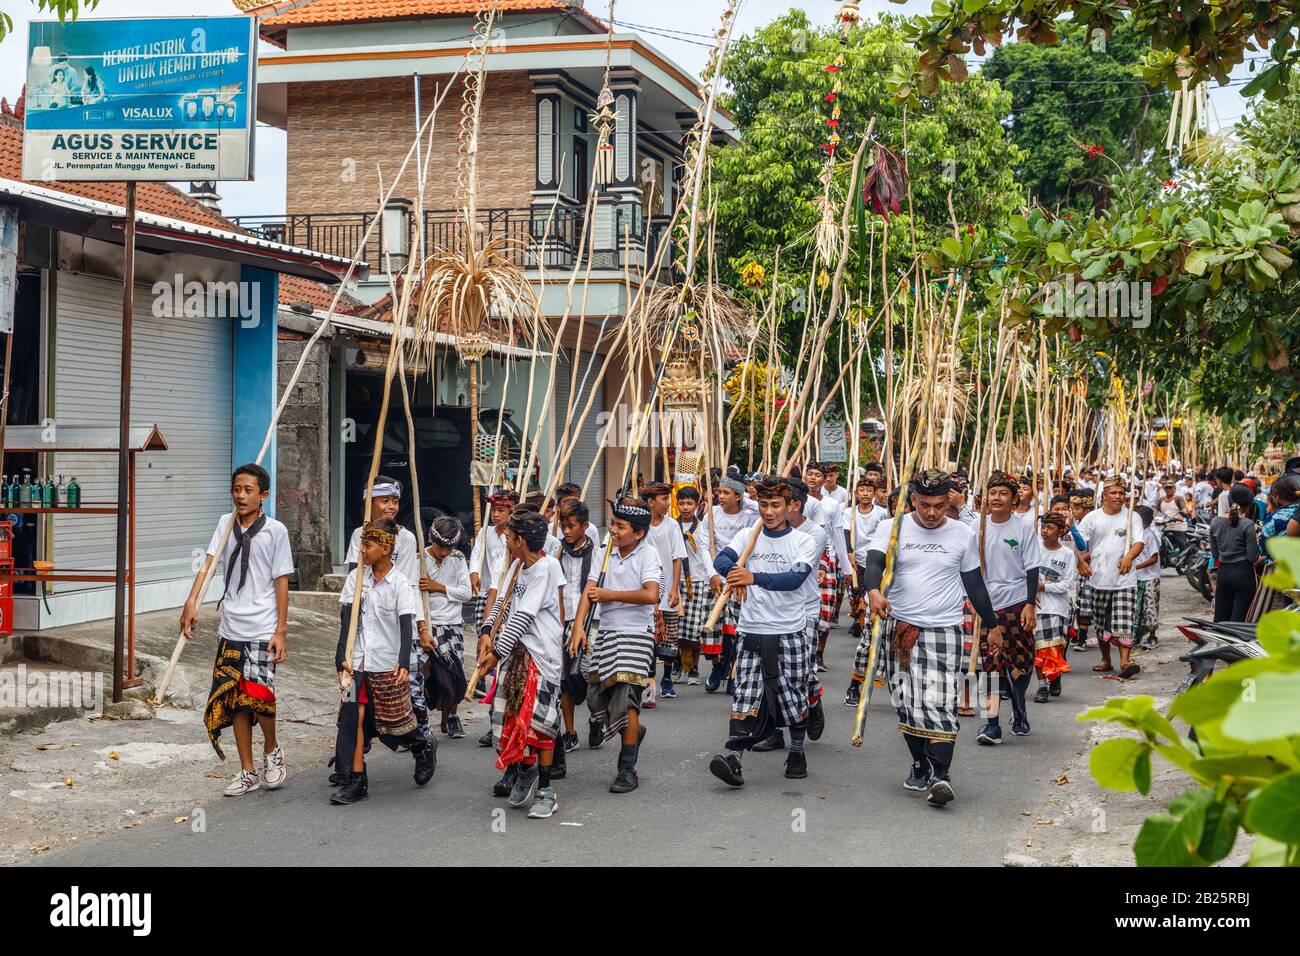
{"x":371,"y":121}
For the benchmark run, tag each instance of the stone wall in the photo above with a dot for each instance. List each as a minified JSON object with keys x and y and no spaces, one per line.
{"x":302,"y":498}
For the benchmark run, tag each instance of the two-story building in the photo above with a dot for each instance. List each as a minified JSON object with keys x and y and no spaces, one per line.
{"x":349,"y":81}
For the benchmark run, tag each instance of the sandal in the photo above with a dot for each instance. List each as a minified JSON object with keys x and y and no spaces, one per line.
{"x":965,"y":711}
{"x":1102,"y":668}
{"x":1130,"y":672}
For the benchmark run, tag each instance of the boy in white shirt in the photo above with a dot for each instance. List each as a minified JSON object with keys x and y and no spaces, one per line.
{"x":665,"y":536}
{"x":728,"y":517}
{"x":256,"y":562}
{"x":1114,"y":536}
{"x":626,"y":593}
{"x":1056,"y":583}
{"x":440,"y":656}
{"x":1147,"y":568}
{"x":700,"y":584}
{"x":487,"y":556}
{"x":865,"y":516}
{"x":773,"y":662}
{"x":529,"y":644}
{"x":375,"y":677}
{"x":578,"y":552}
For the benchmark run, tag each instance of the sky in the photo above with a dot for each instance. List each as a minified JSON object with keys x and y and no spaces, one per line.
{"x":265,"y":195}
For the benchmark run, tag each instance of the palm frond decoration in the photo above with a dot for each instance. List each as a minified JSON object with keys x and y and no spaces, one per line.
{"x":718,"y":314}
{"x":476,"y":295}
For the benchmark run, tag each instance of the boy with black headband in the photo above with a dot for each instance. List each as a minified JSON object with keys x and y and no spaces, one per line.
{"x":621,"y":650}
{"x":256,"y":564}
{"x":578,"y":552}
{"x":1056,"y":585}
{"x":376,"y":678}
{"x":442,"y":645}
{"x":527,"y":639}
{"x":773,"y":660}
{"x":727,"y":518}
{"x":1011,"y":561}
{"x":936,"y":570}
{"x":701,"y":583}
{"x":834,"y":564}
{"x":486,"y":559}
{"x":665,"y":537}
{"x":866,"y":514}
{"x":810,"y":594}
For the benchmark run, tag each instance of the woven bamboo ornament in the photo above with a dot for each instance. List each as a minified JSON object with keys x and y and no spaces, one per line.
{"x":604,"y":120}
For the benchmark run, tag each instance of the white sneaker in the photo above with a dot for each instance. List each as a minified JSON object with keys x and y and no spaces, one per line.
{"x":273,"y":771}
{"x":246,"y":781}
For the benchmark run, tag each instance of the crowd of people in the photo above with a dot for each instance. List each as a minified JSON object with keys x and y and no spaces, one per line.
{"x":959,"y":601}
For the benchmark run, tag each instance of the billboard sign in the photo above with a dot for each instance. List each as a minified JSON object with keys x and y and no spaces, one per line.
{"x":157,"y":99}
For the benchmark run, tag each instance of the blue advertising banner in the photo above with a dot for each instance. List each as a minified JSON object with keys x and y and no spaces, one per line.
{"x":156,"y":99}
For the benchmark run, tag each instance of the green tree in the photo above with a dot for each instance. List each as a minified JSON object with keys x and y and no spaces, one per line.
{"x":1087,"y":90}
{"x":767,"y":187}
{"x":63,"y":9}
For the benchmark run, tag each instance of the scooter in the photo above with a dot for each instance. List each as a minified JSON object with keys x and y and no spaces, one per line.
{"x":1225,"y":643}
{"x":1197,"y":564}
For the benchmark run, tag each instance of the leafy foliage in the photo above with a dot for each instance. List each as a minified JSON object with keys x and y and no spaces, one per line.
{"x":1244,"y":763}
{"x":63,"y":9}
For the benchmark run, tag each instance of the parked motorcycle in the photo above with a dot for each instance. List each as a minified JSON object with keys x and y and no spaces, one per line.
{"x":1223,"y":643}
{"x":1196,"y":562}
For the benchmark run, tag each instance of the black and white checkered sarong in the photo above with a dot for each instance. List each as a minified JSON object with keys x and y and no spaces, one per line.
{"x":1051,"y":631}
{"x":927,"y":690}
{"x":792,"y":677}
{"x":1148,"y":596}
{"x":1115,"y":612}
{"x":546,"y":707}
{"x":1083,"y":606}
{"x":695,"y":611}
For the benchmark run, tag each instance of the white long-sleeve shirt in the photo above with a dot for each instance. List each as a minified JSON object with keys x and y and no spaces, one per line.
{"x":453,"y":573}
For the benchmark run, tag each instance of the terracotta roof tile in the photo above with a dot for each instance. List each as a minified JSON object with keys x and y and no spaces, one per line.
{"x":319,"y":12}
{"x":161,"y":199}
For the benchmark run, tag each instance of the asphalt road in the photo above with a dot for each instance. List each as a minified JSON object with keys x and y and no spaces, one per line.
{"x":851,"y":809}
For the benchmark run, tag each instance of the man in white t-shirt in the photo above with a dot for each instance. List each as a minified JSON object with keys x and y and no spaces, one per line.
{"x":773,"y":660}
{"x":831,"y":488}
{"x":256,"y":564}
{"x":936,"y":569}
{"x":1114,"y":536}
{"x":1012,"y":556}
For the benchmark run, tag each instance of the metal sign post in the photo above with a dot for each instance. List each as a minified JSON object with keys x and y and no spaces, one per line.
{"x":124,"y":502}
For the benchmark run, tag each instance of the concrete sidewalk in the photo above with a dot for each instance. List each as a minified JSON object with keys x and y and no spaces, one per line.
{"x":304,"y":683}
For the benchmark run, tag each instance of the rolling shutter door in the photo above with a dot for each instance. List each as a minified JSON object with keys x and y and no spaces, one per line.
{"x":182,"y":372}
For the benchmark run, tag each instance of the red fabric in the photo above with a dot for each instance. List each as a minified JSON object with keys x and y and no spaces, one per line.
{"x":256,"y":691}
{"x":1051,"y":661}
{"x":362,"y":696}
{"x":517,"y":734}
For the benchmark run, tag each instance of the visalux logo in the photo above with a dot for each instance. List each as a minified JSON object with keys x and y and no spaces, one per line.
{"x":76,"y":909}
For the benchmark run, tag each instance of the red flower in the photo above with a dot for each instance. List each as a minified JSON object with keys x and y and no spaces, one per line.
{"x":1161,"y":283}
{"x":830,"y":97}
{"x":832,"y":122}
{"x":970,"y":228}
{"x":1069,"y":215}
{"x":1094,"y":150}
{"x":832,"y":68}
{"x":1171,"y":184}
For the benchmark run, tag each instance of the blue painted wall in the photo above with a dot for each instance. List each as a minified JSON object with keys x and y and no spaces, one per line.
{"x":255,"y":373}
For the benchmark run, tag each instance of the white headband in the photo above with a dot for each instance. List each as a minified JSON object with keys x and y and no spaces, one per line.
{"x":385,"y":490}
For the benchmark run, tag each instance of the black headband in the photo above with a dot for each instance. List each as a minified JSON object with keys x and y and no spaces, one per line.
{"x":930,"y":482}
{"x":637,"y":515}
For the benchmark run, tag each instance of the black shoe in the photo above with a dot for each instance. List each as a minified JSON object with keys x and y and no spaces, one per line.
{"x":774,"y":742}
{"x":816,"y":721}
{"x":1041,"y":695}
{"x":503,"y":786}
{"x":357,"y":788}
{"x":338,"y":779}
{"x":941,"y":793}
{"x":625,"y":782}
{"x":1054,"y":688}
{"x":727,"y":769}
{"x":559,"y":770}
{"x":486,"y":739}
{"x":731,"y":687}
{"x":919,"y":779}
{"x":595,"y":734}
{"x":454,"y":728}
{"x":569,"y":743}
{"x":796,"y":766}
{"x":426,"y":761}
{"x":853,"y":695}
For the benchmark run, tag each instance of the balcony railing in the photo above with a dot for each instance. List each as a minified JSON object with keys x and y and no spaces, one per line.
{"x":538,"y":235}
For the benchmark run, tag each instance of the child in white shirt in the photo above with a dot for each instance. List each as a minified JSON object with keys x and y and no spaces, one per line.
{"x":438,"y":676}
